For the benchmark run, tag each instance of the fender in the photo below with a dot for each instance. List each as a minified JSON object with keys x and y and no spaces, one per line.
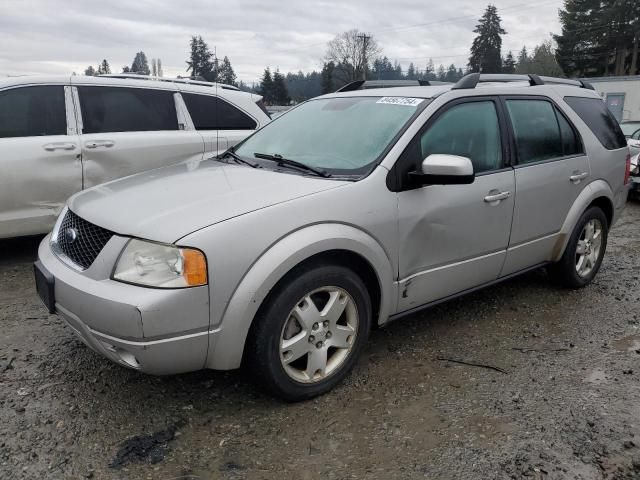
{"x":596,"y":189}
{"x":226,"y":343}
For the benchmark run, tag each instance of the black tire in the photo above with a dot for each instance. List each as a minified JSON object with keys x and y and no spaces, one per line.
{"x":564,"y":271}
{"x":262,"y":351}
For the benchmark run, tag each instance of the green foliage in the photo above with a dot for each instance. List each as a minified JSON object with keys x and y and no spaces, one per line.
{"x":327,"y":84}
{"x":200,"y":62}
{"x":486,"y":49}
{"x":226,"y":74}
{"x":599,"y":37}
{"x":104,"y":68}
{"x":90,"y":71}
{"x":509,"y":64}
{"x":542,"y":62}
{"x":140,"y":64}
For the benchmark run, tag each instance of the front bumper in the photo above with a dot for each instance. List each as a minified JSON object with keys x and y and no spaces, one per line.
{"x":156,"y":331}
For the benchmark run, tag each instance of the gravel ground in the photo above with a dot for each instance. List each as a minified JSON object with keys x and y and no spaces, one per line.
{"x":566,"y":404}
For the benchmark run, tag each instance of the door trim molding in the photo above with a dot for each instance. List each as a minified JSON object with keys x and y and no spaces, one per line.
{"x":450,"y":265}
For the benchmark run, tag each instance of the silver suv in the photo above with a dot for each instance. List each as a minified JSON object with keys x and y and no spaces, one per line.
{"x":347,"y":212}
{"x":59,"y":135}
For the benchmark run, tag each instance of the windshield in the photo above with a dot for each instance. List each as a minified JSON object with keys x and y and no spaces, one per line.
{"x":629,"y":128}
{"x":338,"y":135}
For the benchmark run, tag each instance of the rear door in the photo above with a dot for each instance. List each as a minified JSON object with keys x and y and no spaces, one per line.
{"x":221,"y":123}
{"x":126,"y":130}
{"x":40,"y":157}
{"x":551,"y":170}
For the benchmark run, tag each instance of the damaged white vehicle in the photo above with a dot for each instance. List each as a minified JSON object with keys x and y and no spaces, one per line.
{"x":60,"y":135}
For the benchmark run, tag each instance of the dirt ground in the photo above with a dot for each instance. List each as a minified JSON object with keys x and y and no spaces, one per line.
{"x":566,"y":404}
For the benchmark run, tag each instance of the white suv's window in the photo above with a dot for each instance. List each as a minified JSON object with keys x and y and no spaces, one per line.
{"x":536,"y":130}
{"x":123,"y":109}
{"x":212,"y":113}
{"x":470,"y":130}
{"x":32,"y":112}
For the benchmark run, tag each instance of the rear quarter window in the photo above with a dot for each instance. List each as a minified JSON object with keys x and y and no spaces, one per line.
{"x":212,"y":113}
{"x":600,"y":121}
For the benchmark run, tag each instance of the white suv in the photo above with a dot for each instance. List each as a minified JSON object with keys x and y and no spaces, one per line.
{"x":60,"y":135}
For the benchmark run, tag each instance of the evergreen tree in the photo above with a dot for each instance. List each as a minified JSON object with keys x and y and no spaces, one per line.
{"x":90,"y":71}
{"x":226,"y":74}
{"x":509,"y":63}
{"x":523,"y":61}
{"x":430,"y":71}
{"x":542,"y":62}
{"x":327,"y":77}
{"x":200,"y":63}
{"x":266,"y":87}
{"x":104,"y":68}
{"x":280,"y":93}
{"x":126,"y":69}
{"x":486,"y":49}
{"x":442,"y":74}
{"x":140,"y":64}
{"x":411,"y":72}
{"x":599,"y":37}
{"x":452,"y":74}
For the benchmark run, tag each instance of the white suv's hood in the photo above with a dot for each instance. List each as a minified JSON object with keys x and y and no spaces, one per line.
{"x":168,"y":203}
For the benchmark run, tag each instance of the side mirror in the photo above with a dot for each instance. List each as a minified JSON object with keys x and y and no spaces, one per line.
{"x":440,"y":169}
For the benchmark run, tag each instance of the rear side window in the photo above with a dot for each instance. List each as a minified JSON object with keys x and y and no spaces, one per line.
{"x":536,"y":130}
{"x":118,"y":109}
{"x":571,"y":144}
{"x":32,"y":112}
{"x":212,"y":113}
{"x":470,"y":130}
{"x":600,"y":121}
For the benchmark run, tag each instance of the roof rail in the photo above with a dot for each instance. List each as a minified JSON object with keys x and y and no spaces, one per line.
{"x":366,"y":84}
{"x":188,"y":81}
{"x":472,"y":80}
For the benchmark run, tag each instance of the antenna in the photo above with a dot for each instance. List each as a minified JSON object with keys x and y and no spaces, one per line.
{"x":215,"y":114}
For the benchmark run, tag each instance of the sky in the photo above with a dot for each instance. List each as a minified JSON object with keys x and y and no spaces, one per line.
{"x":65,"y":36}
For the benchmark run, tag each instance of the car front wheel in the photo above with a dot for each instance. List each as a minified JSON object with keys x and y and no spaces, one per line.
{"x":309,"y":334}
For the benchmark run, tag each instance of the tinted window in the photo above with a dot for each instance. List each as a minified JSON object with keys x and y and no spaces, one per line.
{"x":212,"y":113}
{"x":636,"y":135}
{"x":571,"y":144}
{"x":470,"y":130}
{"x":117,"y":109}
{"x":600,"y":121}
{"x":32,"y":112}
{"x":536,"y":130}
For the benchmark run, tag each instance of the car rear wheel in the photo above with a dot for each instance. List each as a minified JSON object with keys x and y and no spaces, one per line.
{"x":584,"y":252}
{"x":310,"y":332}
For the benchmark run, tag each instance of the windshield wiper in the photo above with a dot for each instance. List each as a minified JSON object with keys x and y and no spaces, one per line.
{"x":286,"y":162}
{"x":237,"y":158}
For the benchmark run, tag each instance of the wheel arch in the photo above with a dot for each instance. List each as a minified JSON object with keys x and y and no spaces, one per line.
{"x":317,"y":243}
{"x":597,"y":193}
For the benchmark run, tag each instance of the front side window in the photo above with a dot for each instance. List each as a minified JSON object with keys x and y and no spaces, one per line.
{"x":123,"y":109}
{"x":32,"y":112}
{"x":469,"y":130}
{"x":342,"y":135}
{"x":536,"y":130}
{"x":213,"y":113}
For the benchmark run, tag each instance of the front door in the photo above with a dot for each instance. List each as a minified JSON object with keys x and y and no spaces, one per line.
{"x":454,"y":237}
{"x":127,"y":130}
{"x":40,"y":162}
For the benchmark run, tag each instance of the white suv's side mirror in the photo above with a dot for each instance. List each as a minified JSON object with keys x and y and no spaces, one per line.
{"x":439,"y":169}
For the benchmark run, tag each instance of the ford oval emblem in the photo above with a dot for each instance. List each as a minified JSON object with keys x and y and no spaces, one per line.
{"x":71,"y":235}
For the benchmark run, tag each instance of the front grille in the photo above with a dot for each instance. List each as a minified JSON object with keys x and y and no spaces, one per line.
{"x":81,"y":241}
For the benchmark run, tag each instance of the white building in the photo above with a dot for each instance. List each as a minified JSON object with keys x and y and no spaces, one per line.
{"x":622,"y":95}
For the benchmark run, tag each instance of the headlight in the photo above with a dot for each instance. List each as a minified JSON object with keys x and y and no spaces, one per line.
{"x":161,"y":266}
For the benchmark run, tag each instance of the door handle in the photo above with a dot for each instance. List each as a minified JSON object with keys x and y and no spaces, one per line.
{"x":50,"y":147}
{"x":578,"y":177}
{"x":100,"y":143}
{"x":496,"y":198}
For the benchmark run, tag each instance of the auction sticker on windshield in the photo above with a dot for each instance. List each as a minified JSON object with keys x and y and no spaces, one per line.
{"x":406,"y":101}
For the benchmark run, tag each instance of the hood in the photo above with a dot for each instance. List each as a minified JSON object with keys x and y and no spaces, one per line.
{"x":168,"y":203}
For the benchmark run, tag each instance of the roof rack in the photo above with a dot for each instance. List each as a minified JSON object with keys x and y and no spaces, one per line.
{"x":366,"y":84}
{"x":189,"y":81}
{"x":472,"y":80}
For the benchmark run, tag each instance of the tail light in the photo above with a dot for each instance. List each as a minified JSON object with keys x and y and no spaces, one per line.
{"x":627,"y":171}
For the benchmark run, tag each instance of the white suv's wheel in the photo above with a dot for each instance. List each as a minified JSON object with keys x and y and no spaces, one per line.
{"x":582,"y":257}
{"x":308,"y":335}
